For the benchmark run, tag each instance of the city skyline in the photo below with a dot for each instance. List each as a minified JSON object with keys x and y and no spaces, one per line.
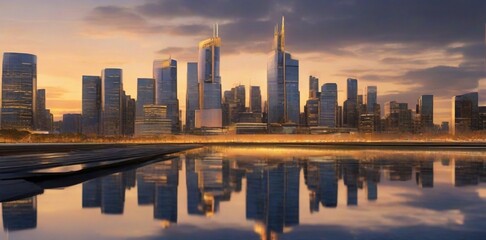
{"x":404,"y":61}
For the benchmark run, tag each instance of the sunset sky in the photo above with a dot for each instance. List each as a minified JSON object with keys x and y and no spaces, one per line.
{"x":405,"y":47}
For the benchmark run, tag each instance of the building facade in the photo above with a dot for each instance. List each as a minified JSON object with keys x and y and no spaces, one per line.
{"x":425,"y":109}
{"x":145,"y":94}
{"x":111,"y":101}
{"x":19,"y":91}
{"x":165,"y":75}
{"x":209,"y":114}
{"x":282,"y":82}
{"x":255,"y":99}
{"x":91,"y":105}
{"x":328,"y":105}
{"x":465,"y":113}
{"x":350,"y":108}
{"x":192,"y":96}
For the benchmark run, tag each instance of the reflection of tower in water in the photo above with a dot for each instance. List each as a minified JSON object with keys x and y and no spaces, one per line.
{"x":20,"y":214}
{"x":157,"y":185}
{"x":272,"y":198}
{"x":321,"y":180}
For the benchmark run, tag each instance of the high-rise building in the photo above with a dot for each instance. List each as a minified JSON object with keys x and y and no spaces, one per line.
{"x":111,"y":101}
{"x":425,"y":108}
{"x":465,"y":113}
{"x":91,"y":117}
{"x":255,"y":99}
{"x":282,"y":82}
{"x":209,"y":113}
{"x":128,"y":115}
{"x":192,"y":96}
{"x":145,"y":94}
{"x":398,"y":118}
{"x":371,"y":98}
{"x":313,"y":87}
{"x":43,"y":118}
{"x":350,"y":108}
{"x":328,"y":105}
{"x":482,"y":118}
{"x":165,"y":75}
{"x":71,"y":123}
{"x":19,"y":90}
{"x":311,"y":112}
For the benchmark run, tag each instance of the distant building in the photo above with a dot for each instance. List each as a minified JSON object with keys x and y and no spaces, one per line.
{"x":128,"y":115}
{"x":251,"y":128}
{"x":154,"y":123}
{"x":145,"y":94}
{"x":313,"y":87}
{"x":250,"y":117}
{"x":282,"y":82}
{"x":192,"y":96}
{"x":165,"y":75}
{"x":425,"y":109}
{"x":255,"y":99}
{"x":398,"y":118}
{"x":465,"y":113}
{"x":328,"y":105}
{"x":71,"y":123}
{"x":311,"y":112}
{"x":350,"y":108}
{"x":482,"y":118}
{"x":371,"y":98}
{"x":111,"y":101}
{"x":19,"y":90}
{"x":44,"y":116}
{"x":91,"y":105}
{"x":209,"y":114}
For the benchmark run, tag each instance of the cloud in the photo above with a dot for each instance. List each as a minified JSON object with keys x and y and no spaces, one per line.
{"x":180,"y":53}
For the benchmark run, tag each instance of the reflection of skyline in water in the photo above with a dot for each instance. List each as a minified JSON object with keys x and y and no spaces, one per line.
{"x":272,"y":186}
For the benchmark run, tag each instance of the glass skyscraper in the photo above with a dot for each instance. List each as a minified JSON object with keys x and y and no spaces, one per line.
{"x":210,"y":112}
{"x":328,"y":105}
{"x":465,"y":113}
{"x":165,"y":75}
{"x":192,"y":95}
{"x":350,"y":110}
{"x":426,"y":110}
{"x":255,"y":99}
{"x":282,"y":82}
{"x":112,"y":90}
{"x":371,"y":98}
{"x":91,"y":118}
{"x":313,"y":87}
{"x":19,"y":90}
{"x":145,"y":94}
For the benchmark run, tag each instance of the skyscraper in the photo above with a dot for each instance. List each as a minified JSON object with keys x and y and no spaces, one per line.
{"x":145,"y":94}
{"x":91,"y":118}
{"x":192,"y":95}
{"x":328,"y":105}
{"x":19,"y":90}
{"x":371,"y":98}
{"x":165,"y":75}
{"x":71,"y":123}
{"x":350,"y":112}
{"x":209,"y":113}
{"x":313,"y":87}
{"x":282,"y":82}
{"x":255,"y":99}
{"x":111,"y":101}
{"x":465,"y":113}
{"x":43,"y":118}
{"x":128,"y":115}
{"x":425,"y":107}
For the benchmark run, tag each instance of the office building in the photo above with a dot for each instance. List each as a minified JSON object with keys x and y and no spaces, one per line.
{"x":209,"y":114}
{"x":71,"y":123}
{"x":154,"y":122}
{"x":165,"y":75}
{"x":44,"y":116}
{"x":282,"y":82}
{"x":425,"y":109}
{"x":371,"y":99}
{"x":255,"y":99}
{"x":145,"y":94}
{"x":313,"y":87}
{"x":482,"y":118}
{"x":465,"y":113}
{"x":111,"y":101}
{"x":192,"y":96}
{"x":328,"y":105}
{"x":91,"y":105}
{"x":350,"y":108}
{"x":128,"y":115}
{"x":19,"y":90}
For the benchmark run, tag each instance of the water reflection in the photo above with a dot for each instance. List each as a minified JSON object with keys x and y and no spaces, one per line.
{"x":277,"y":186}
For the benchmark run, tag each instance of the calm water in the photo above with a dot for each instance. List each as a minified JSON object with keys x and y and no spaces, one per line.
{"x":268,"y":193}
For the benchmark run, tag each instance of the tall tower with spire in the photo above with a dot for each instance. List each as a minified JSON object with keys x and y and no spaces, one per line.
{"x":282,"y":82}
{"x":209,"y":114}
